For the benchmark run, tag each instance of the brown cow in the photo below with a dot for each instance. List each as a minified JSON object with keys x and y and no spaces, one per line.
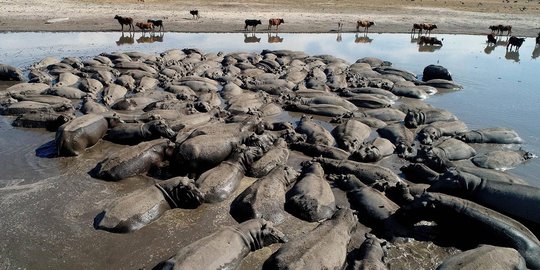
{"x":125,"y":20}
{"x":275,"y":22}
{"x":145,"y":26}
{"x":365,"y":24}
{"x":428,"y":27}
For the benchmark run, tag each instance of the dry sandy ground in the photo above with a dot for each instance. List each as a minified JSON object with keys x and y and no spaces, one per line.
{"x":452,"y":16}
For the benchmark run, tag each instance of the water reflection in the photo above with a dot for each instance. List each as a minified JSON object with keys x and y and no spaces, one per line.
{"x":125,"y":39}
{"x":274,"y":38}
{"x":151,"y":38}
{"x":536,"y":52}
{"x":428,"y":48}
{"x":251,"y":38}
{"x":512,"y":55}
{"x":362,"y":39}
{"x":339,"y":38}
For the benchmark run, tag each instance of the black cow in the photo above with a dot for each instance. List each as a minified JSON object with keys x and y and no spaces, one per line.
{"x":194,"y":13}
{"x":515,"y":42}
{"x":157,"y":23}
{"x":538,"y":39}
{"x":252,"y":23}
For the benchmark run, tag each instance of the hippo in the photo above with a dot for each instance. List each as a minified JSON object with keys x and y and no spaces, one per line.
{"x":351,"y":134}
{"x":316,"y":134}
{"x":67,"y":92}
{"x":265,"y":198}
{"x":317,"y":150}
{"x":407,"y":89}
{"x":443,"y":84}
{"x":450,"y":149}
{"x":317,"y":109}
{"x":325,"y":247}
{"x":134,"y":133}
{"x":473,"y":221}
{"x":436,"y":72}
{"x":10,"y":73}
{"x":113,"y":93}
{"x":146,"y":84}
{"x":490,"y":135}
{"x":400,"y":136}
{"x":369,"y":173}
{"x":311,"y":198}
{"x":90,"y":106}
{"x":372,"y":205}
{"x":26,"y":89}
{"x":218,"y":183}
{"x":370,"y":254}
{"x":228,"y":246}
{"x":370,"y":101}
{"x":90,"y":85}
{"x":49,"y":121}
{"x":373,"y":151}
{"x":330,"y":100}
{"x":485,"y":257}
{"x":136,"y":210}
{"x":515,"y":200}
{"x":277,"y":155}
{"x":134,"y":160}
{"x":384,"y":114}
{"x":73,"y":137}
{"x":503,"y":159}
{"x":415,"y":118}
{"x":40,"y":76}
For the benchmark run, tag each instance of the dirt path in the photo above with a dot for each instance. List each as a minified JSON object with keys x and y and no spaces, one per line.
{"x":301,"y":16}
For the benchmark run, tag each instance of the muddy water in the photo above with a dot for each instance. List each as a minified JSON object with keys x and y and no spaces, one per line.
{"x":48,"y":205}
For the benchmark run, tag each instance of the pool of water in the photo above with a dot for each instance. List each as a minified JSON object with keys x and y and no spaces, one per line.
{"x":500,"y":87}
{"x":51,"y":204}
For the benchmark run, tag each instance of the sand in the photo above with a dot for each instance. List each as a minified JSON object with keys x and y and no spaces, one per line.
{"x":301,"y":16}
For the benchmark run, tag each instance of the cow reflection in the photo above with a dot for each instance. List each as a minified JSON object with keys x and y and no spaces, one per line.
{"x":251,"y":38}
{"x":151,"y":38}
{"x":274,"y":38}
{"x":502,"y":41}
{"x":428,"y":48}
{"x":415,"y":38}
{"x":338,"y":38}
{"x":126,"y":39}
{"x":536,"y":52}
{"x":362,"y":39}
{"x":489,"y":48}
{"x":512,"y":55}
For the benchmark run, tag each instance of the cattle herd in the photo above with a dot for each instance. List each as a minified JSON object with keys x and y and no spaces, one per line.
{"x":201,"y":122}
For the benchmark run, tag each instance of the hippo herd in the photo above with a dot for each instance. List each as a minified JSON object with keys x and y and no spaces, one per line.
{"x":200,"y":123}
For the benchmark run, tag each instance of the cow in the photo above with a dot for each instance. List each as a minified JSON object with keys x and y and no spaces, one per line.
{"x":252,"y":23}
{"x":491,"y":39}
{"x":125,"y":20}
{"x":538,"y":39}
{"x":195,"y":14}
{"x":274,"y":39}
{"x":505,"y":28}
{"x":428,"y":27}
{"x":429,"y":41}
{"x":494,"y":28}
{"x":145,"y":26}
{"x":340,"y":25}
{"x":365,"y":24}
{"x":416,"y":26}
{"x":515,"y":42}
{"x":275,"y":22}
{"x":156,"y":23}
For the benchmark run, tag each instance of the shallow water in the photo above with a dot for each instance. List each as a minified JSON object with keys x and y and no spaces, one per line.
{"x":52,"y":202}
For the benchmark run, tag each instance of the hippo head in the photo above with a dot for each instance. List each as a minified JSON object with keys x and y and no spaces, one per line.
{"x":290,"y":175}
{"x":347,"y":216}
{"x":312,"y":166}
{"x":428,"y":135}
{"x":246,"y":155}
{"x":162,"y":128}
{"x":367,"y":153}
{"x":403,"y":149}
{"x":414,"y":118}
{"x":372,"y":245}
{"x":468,"y":136}
{"x":202,"y":106}
{"x":261,"y":233}
{"x":292,"y":136}
{"x":527,"y":155}
{"x":351,"y":145}
{"x":346,"y":182}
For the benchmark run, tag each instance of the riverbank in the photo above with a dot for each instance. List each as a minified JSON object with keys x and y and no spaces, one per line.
{"x":390,"y":16}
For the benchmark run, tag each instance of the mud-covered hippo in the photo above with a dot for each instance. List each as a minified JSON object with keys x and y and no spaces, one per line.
{"x":490,"y":135}
{"x":134,"y":133}
{"x":400,"y":136}
{"x":316,"y":134}
{"x":415,"y":118}
{"x":218,"y":183}
{"x":374,"y":151}
{"x":49,"y":121}
{"x":351,"y":134}
{"x":265,"y":198}
{"x":135,"y":210}
{"x":515,"y":200}
{"x":502,"y":159}
{"x":317,"y":150}
{"x":311,"y":198}
{"x":370,"y":254}
{"x":73,"y":137}
{"x":369,"y":173}
{"x":485,"y":257}
{"x":450,"y":149}
{"x":325,"y":247}
{"x":277,"y":155}
{"x":474,"y":222}
{"x":10,"y":73}
{"x":134,"y":160}
{"x":227,"y":247}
